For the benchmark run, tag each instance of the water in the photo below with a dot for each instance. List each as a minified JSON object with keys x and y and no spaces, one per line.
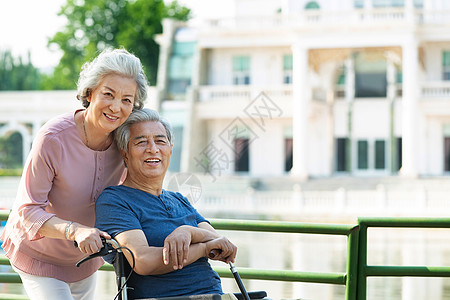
{"x":313,"y":253}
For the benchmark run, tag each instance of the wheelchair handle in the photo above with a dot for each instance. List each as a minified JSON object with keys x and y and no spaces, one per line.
{"x":109,"y":246}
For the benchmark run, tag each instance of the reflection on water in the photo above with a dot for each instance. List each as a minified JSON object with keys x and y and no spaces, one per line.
{"x":314,"y":253}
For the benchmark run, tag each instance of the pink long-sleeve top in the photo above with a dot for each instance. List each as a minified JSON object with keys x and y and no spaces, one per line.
{"x":61,"y":177}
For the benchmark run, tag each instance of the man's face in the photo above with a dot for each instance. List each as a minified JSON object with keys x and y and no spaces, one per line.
{"x":149,"y":151}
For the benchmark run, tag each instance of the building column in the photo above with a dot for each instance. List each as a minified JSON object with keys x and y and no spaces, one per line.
{"x":165,"y":49}
{"x":368,"y":10}
{"x":301,"y":91}
{"x":330,"y":85}
{"x":350,"y":89}
{"x":409,"y":11}
{"x":192,"y":131}
{"x":391,"y":94}
{"x":410,"y":128}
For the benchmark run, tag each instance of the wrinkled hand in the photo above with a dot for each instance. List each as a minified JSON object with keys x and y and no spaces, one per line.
{"x":176,"y":247}
{"x":221,"y":249}
{"x":88,"y":238}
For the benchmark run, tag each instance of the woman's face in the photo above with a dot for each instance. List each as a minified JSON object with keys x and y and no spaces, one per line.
{"x":111,"y":102}
{"x":149,"y":151}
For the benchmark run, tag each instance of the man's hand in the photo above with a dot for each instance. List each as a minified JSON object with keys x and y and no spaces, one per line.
{"x":176,"y":247}
{"x":221,"y":249}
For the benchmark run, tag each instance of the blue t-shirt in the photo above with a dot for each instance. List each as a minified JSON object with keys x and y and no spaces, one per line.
{"x":121,"y":208}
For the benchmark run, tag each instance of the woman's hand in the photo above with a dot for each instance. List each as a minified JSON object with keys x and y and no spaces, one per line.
{"x":176,"y":247}
{"x":221,"y":249}
{"x":87,"y":238}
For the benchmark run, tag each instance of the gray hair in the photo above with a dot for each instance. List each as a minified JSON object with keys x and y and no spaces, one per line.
{"x":117,"y":61}
{"x":122,"y":134}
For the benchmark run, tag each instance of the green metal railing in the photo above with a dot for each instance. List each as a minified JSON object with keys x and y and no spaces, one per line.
{"x":348,"y":278}
{"x":365,"y":270}
{"x":357,"y":270}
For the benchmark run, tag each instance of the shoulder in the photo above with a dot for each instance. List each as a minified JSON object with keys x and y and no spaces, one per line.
{"x":57,"y":127}
{"x":178,"y":196}
{"x":53,"y":136}
{"x":112,"y":198}
{"x":112,"y":192}
{"x":59,"y":123}
{"x":117,"y":195}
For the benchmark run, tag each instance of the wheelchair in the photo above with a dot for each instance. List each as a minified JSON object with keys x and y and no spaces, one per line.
{"x":111,"y":247}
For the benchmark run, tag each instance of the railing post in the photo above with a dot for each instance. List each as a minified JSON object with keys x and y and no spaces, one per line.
{"x":362,"y":262}
{"x":352,"y":264}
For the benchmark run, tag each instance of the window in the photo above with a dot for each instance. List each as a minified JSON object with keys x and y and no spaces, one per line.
{"x":370,"y":76}
{"x":380,"y":155}
{"x":341,"y":154}
{"x":446,"y":65}
{"x":363,"y":155}
{"x":241,"y":70}
{"x":358,"y":3}
{"x":341,"y":77}
{"x":447,"y":154}
{"x":241,"y":162}
{"x":418,"y":3}
{"x":340,"y":82}
{"x":175,"y":159}
{"x":398,"y":148}
{"x":287,"y":69}
{"x":288,"y":154}
{"x":388,"y":3}
{"x":180,"y":68}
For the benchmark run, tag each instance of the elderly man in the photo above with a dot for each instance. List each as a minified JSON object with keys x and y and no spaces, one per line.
{"x":169,"y":238}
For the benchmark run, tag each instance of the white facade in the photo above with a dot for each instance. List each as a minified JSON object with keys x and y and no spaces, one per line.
{"x":335,"y":127}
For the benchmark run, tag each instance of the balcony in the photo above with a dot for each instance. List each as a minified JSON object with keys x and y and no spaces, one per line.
{"x":243,"y":93}
{"x":436,"y":90}
{"x":318,"y":18}
{"x":229,"y":101}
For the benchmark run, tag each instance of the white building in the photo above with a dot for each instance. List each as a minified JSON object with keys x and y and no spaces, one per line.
{"x":311,"y":89}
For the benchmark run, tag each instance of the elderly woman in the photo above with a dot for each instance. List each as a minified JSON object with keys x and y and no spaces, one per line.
{"x":169,"y":238}
{"x":72,"y":160}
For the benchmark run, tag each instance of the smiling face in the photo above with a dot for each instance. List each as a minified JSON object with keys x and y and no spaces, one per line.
{"x":149,"y":153}
{"x":111,"y":102}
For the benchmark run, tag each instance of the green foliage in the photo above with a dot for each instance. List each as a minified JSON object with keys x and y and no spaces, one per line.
{"x":15,"y":74}
{"x":96,"y":24}
{"x":11,"y":172}
{"x":11,"y":151}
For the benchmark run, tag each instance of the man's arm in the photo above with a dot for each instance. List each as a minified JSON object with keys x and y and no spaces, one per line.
{"x":149,"y":260}
{"x":176,"y":245}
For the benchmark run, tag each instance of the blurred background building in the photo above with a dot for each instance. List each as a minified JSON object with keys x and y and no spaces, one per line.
{"x":311,"y":89}
{"x":281,"y":94}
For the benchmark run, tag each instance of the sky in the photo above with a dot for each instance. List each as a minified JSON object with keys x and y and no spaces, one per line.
{"x":26,"y":25}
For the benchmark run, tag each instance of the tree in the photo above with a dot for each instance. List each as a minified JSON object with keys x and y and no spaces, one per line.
{"x":94,"y":25}
{"x":15,"y":74}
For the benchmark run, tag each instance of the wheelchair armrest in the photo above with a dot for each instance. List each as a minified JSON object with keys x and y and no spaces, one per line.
{"x":252,"y":295}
